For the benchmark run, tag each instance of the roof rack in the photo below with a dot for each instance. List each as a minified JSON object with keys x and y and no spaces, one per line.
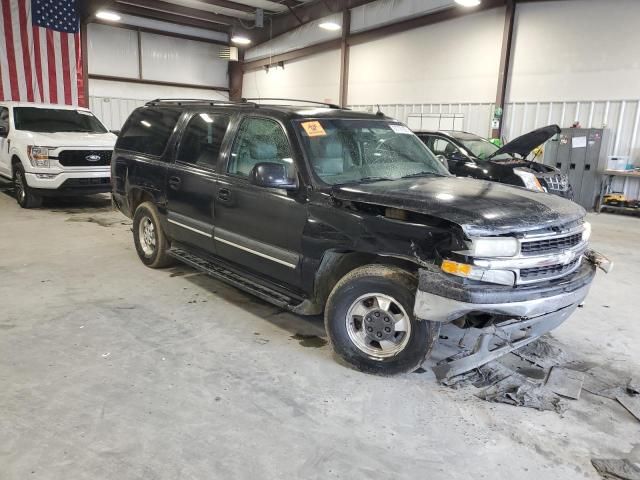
{"x":330,"y":105}
{"x":185,"y":101}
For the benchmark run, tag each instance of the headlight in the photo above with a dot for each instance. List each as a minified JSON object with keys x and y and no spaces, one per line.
{"x":586,"y":233}
{"x":501,"y":277}
{"x":529,"y":179}
{"x":494,"y":247}
{"x":38,"y":156}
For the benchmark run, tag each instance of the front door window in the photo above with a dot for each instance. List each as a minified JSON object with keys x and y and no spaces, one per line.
{"x":259,"y":140}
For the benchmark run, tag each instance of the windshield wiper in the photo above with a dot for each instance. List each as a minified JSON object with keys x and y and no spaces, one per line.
{"x":422,"y":174}
{"x":366,"y":180}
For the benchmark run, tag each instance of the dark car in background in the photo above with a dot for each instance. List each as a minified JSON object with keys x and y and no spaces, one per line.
{"x":469,"y":155}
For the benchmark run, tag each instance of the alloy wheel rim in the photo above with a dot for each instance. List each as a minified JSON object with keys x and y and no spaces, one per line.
{"x":378,"y":325}
{"x":147,"y":236}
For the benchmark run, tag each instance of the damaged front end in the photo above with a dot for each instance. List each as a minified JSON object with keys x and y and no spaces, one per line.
{"x":508,"y":291}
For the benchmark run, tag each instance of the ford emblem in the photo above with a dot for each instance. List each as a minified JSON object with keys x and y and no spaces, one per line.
{"x":92,"y":158}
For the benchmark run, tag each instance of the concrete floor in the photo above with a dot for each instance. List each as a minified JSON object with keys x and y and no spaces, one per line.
{"x":111,"y":370}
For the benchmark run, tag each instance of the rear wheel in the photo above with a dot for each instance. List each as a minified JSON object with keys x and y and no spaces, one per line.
{"x":370,"y":322}
{"x":150,"y":240}
{"x":24,"y":195}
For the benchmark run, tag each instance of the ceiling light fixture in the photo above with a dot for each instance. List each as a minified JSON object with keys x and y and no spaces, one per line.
{"x":106,"y":15}
{"x":240,"y":40}
{"x":331,"y":26}
{"x":468,"y":3}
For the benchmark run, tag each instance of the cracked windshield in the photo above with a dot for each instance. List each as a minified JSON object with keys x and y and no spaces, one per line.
{"x":356,"y":151}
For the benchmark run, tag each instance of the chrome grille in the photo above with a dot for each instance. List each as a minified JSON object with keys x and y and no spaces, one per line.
{"x":550,"y":271}
{"x":550,"y":245}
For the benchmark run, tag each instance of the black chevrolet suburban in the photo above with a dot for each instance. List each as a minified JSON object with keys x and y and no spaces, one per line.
{"x":321,"y":209}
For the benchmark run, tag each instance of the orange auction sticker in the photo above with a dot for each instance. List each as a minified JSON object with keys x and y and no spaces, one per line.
{"x":314,"y":129}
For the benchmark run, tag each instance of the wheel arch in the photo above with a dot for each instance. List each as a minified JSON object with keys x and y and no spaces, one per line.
{"x":136,"y":196}
{"x":335,"y":264}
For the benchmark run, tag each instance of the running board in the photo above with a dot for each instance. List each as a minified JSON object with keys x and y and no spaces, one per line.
{"x":224,"y":274}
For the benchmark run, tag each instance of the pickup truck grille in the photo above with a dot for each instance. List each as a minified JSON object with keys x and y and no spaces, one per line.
{"x":551,"y":271}
{"x":550,"y":245}
{"x":84,"y":158}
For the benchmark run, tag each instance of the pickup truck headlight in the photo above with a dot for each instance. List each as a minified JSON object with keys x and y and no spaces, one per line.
{"x":529,"y":179}
{"x":38,"y":156}
{"x":494,"y":247}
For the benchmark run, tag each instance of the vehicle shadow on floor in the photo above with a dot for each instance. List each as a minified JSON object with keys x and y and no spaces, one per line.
{"x":80,"y":204}
{"x":309,"y":331}
{"x":301,"y":327}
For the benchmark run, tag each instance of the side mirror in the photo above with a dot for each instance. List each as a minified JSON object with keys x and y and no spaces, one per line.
{"x":272,"y":175}
{"x":458,"y":157}
{"x":4,"y":131}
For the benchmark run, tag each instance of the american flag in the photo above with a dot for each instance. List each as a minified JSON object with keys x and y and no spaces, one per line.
{"x":42,"y":58}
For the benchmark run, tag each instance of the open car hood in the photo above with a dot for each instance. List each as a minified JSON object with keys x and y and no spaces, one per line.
{"x":527,"y":142}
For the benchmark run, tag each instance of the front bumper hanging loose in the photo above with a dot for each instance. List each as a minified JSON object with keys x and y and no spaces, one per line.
{"x":525,"y":313}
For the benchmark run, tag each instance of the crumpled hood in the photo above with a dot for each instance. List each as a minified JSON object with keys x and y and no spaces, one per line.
{"x":478,"y":206}
{"x":524,"y":144}
{"x":70,"y":139}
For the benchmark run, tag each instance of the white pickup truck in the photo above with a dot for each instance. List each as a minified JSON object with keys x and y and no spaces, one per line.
{"x":53,"y":150}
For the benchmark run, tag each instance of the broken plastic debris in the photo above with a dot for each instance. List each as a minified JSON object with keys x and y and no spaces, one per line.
{"x":565,"y":382}
{"x":631,"y":403}
{"x":615,"y":468}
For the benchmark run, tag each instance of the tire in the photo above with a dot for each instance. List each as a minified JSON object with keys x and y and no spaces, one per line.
{"x":24,"y":195}
{"x":150,"y":240}
{"x":351,"y":311}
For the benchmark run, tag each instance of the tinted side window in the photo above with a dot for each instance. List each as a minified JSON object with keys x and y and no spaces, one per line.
{"x":259,"y":140}
{"x":201,"y":141}
{"x":148,"y":130}
{"x":4,"y":118}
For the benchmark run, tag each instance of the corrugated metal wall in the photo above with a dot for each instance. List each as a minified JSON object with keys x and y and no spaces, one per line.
{"x":113,"y":111}
{"x":621,"y":117}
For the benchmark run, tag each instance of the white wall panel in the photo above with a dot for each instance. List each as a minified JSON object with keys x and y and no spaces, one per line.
{"x":112,"y":51}
{"x":112,"y":102}
{"x":453,"y":61}
{"x":172,"y":59}
{"x":311,"y":78}
{"x":576,"y":49}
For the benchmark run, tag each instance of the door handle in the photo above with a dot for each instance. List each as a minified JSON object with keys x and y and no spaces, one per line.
{"x":175,"y":182}
{"x":224,"y":194}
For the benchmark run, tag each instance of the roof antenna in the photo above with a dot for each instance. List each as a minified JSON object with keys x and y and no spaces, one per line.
{"x":379,"y":113}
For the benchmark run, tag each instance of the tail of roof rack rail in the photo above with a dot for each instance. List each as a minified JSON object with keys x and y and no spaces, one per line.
{"x":201,"y":101}
{"x":330,"y":105}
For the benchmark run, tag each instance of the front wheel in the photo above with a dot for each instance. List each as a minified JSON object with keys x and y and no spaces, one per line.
{"x":24,"y":195}
{"x":370,"y":322}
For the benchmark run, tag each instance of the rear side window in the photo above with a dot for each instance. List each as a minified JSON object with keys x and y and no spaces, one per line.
{"x":148,"y":130}
{"x":202,"y":139}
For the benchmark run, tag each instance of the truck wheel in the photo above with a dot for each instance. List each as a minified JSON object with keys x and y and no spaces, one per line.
{"x":24,"y":195}
{"x":151,"y":242}
{"x":370,"y":322}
